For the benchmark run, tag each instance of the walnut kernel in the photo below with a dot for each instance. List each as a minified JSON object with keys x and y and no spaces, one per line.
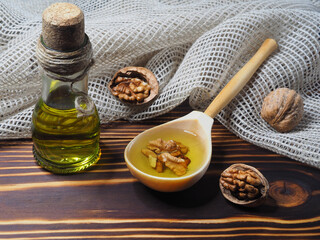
{"x":134,"y":85}
{"x":170,"y":154}
{"x":243,"y":184}
{"x":282,"y":109}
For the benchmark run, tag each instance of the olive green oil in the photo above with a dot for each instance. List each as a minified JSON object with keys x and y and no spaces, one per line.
{"x":193,"y":141}
{"x":65,"y":134}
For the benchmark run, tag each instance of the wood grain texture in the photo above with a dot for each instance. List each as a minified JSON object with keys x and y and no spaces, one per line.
{"x":108,"y":203}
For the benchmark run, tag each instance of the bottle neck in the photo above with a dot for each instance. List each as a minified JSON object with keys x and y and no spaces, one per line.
{"x":61,"y":94}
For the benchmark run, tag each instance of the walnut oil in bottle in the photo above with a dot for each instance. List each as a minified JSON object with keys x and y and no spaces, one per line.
{"x":65,"y":121}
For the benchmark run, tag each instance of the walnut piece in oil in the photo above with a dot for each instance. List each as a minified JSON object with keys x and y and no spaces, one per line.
{"x":170,"y":154}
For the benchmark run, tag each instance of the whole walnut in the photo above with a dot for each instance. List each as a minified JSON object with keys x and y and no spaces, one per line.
{"x":282,"y":109}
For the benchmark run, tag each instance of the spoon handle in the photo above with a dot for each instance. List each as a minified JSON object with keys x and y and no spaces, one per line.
{"x":239,"y":80}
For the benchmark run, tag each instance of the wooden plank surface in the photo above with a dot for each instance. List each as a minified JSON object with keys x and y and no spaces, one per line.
{"x":107,"y":202}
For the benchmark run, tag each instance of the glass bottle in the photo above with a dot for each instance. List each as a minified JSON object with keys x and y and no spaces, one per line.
{"x":65,"y":121}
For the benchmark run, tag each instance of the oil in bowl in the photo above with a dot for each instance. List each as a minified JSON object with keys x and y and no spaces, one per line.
{"x":189,"y":133}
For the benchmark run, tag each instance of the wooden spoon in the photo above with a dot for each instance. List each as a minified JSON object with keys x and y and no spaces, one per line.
{"x":198,"y":123}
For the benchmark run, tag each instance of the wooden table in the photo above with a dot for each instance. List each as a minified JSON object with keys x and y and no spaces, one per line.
{"x":107,"y":202}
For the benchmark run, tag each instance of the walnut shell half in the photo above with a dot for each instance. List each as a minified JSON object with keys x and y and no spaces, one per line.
{"x":134,"y":85}
{"x":244,"y":185}
{"x":282,"y":109}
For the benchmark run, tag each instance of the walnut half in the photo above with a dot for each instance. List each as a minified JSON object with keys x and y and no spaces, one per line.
{"x":244,"y":185}
{"x":134,"y":85}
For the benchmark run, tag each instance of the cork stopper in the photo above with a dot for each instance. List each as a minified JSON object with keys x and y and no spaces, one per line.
{"x":63,"y":27}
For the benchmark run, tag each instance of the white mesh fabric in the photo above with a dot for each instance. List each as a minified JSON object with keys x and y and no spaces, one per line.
{"x":193,"y":47}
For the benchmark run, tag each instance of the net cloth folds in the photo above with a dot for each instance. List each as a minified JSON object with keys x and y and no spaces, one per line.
{"x":193,"y":47}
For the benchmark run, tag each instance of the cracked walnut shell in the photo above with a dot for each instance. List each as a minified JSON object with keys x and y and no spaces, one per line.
{"x":243,"y":185}
{"x":134,"y":85}
{"x":282,"y":109}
